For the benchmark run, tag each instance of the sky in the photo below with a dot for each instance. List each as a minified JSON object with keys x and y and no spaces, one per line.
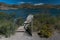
{"x":37,"y":2}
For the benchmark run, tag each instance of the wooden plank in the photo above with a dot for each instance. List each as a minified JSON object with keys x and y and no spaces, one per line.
{"x":20,"y":29}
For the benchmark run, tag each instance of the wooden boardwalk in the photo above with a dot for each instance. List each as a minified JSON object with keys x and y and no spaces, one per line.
{"x":20,"y":29}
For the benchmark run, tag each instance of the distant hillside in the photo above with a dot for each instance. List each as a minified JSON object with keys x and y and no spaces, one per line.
{"x":4,"y":6}
{"x":39,"y":6}
{"x":26,"y":5}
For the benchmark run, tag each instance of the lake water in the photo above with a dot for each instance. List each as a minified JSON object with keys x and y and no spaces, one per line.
{"x":24,"y":12}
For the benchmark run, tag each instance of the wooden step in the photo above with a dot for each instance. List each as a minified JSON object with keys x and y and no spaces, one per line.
{"x":20,"y":29}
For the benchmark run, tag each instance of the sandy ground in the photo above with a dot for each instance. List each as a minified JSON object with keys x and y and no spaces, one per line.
{"x":25,"y":36}
{"x":22,"y":35}
{"x":56,"y":36}
{"x":19,"y":36}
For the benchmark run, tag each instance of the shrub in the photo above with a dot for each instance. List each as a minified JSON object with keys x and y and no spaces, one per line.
{"x":7,"y":28}
{"x":45,"y":31}
{"x":7,"y":25}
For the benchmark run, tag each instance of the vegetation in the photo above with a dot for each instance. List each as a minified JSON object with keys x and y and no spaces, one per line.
{"x":46,"y":24}
{"x":7,"y":24}
{"x":18,"y":22}
{"x":7,"y":28}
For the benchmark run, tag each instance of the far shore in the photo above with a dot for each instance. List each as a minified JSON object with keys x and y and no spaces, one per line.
{"x":7,"y":8}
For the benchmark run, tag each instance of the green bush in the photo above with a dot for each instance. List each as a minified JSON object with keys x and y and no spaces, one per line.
{"x":19,"y":21}
{"x":44,"y":24}
{"x":7,"y":28}
{"x":7,"y":25}
{"x":45,"y":31}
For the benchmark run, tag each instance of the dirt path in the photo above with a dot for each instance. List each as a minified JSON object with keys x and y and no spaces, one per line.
{"x":25,"y":36}
{"x":56,"y":36}
{"x":19,"y":36}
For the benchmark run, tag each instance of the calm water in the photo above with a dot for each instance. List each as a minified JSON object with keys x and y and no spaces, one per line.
{"x":24,"y":12}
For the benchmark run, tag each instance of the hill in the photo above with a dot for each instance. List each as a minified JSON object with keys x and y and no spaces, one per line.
{"x":5,"y":6}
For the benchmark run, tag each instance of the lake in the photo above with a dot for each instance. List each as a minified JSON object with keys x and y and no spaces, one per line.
{"x":24,"y":12}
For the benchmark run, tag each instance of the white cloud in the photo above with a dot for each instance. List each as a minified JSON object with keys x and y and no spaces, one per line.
{"x":39,"y":4}
{"x":23,"y":2}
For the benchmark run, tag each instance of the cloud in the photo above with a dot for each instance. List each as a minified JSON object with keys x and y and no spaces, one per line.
{"x":39,"y":4}
{"x":23,"y":2}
